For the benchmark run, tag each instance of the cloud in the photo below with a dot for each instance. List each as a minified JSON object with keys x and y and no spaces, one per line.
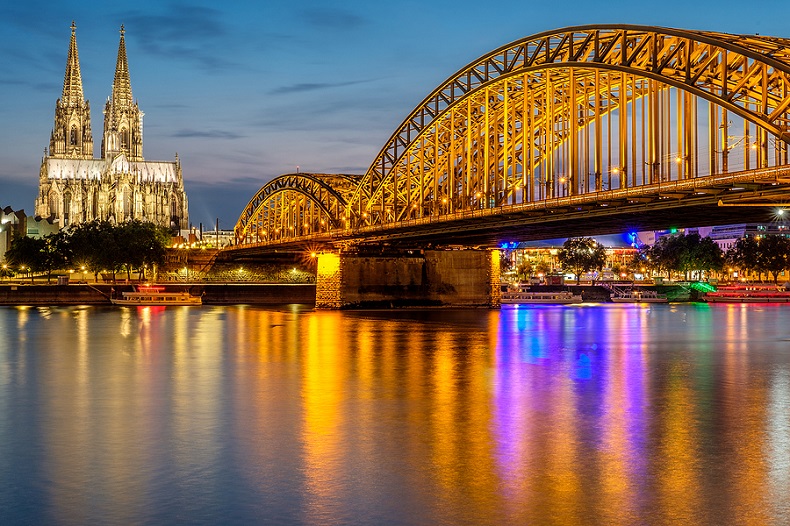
{"x":48,"y":87}
{"x":210,"y":134}
{"x":333,"y":18}
{"x":314,"y":86}
{"x":183,"y":31}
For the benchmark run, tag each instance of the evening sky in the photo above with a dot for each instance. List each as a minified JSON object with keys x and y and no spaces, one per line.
{"x":246,"y":90}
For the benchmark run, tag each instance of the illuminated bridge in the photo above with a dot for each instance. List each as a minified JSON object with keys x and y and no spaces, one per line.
{"x":579,"y":131}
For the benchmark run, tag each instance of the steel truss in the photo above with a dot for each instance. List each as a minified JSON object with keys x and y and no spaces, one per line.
{"x":293,"y":205}
{"x":564,"y":113}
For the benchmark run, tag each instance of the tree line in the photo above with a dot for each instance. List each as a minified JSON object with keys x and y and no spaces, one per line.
{"x":689,"y":254}
{"x":96,"y":246}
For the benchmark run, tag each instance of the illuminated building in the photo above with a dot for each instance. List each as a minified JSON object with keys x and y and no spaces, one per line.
{"x":120,"y":185}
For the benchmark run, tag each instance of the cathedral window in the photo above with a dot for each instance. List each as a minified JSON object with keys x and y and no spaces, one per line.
{"x":124,"y":139}
{"x":53,"y":204}
{"x":73,"y":136}
{"x":66,"y":207}
{"x":174,"y":208}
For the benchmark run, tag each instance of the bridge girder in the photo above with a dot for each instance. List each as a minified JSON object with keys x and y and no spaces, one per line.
{"x":296,"y":204}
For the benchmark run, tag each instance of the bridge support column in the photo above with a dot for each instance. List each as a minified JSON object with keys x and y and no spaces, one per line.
{"x":329,"y":281}
{"x":453,"y":278}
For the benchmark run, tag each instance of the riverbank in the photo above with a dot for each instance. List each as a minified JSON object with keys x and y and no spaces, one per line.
{"x":213,"y":293}
{"x":254,"y":293}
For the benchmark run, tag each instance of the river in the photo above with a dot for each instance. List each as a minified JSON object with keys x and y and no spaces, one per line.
{"x":585,"y":414}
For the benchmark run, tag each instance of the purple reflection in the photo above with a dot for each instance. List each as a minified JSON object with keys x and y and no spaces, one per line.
{"x":575,"y":369}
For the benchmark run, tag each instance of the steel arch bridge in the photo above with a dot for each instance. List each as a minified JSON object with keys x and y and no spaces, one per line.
{"x":576,"y":124}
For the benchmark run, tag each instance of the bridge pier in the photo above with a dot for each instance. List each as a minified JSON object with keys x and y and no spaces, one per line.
{"x":452,"y":278}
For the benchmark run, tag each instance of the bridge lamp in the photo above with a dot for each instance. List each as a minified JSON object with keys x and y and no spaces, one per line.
{"x":780,"y":212}
{"x":678,"y":159}
{"x":615,"y":170}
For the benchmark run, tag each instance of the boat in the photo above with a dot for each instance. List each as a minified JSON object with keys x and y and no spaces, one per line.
{"x":749,"y":294}
{"x":523,"y":295}
{"x":639,"y":296}
{"x":150,"y":295}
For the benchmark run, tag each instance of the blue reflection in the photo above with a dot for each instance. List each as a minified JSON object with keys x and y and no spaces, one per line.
{"x":583,"y":368}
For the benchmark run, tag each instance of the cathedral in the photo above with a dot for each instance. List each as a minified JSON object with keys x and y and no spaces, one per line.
{"x":120,"y":185}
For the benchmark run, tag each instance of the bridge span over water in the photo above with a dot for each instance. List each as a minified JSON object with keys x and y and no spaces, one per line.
{"x":582,"y":130}
{"x":578,"y":131}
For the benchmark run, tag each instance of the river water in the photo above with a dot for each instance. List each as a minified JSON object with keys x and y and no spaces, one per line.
{"x":591,"y":414}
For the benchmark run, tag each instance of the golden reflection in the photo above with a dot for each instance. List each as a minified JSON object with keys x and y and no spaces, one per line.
{"x":462,"y":447}
{"x":678,"y":472}
{"x":562,"y":457}
{"x":778,"y":441}
{"x":325,"y":371}
{"x":623,"y":384}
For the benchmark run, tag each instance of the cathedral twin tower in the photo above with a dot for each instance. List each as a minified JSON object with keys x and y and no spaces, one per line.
{"x":120,"y":185}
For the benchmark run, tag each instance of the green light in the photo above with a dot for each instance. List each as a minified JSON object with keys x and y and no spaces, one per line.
{"x":673,"y":230}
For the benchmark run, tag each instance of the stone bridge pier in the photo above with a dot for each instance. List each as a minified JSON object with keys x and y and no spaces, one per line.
{"x":451,"y":278}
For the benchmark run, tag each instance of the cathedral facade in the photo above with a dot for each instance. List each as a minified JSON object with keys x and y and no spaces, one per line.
{"x":75,"y":187}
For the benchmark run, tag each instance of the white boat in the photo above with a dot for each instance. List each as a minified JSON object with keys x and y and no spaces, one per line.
{"x":523,"y":295}
{"x":148,"y":295}
{"x":639,"y":296}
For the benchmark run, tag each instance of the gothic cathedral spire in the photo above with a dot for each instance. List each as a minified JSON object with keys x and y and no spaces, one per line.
{"x":72,"y":82}
{"x":123,"y":120}
{"x":71,"y":136}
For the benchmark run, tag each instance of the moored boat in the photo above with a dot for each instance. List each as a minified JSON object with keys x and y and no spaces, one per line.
{"x":149,"y":295}
{"x":749,"y":294}
{"x":639,"y":296}
{"x":524,"y":295}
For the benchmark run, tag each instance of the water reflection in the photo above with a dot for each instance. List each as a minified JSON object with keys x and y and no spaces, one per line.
{"x":585,"y":414}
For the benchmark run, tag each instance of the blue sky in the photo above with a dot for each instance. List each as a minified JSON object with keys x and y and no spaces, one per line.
{"x":247,"y":90}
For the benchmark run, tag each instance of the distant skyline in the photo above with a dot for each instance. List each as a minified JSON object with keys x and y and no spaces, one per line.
{"x":245,"y":91}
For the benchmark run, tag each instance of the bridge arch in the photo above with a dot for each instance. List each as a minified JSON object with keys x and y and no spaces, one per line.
{"x":540,"y":107}
{"x":570,"y":113}
{"x":295,"y":204}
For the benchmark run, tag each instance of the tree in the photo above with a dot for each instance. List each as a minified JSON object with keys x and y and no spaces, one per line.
{"x":54,"y":253}
{"x":744,"y":255}
{"x":696,"y":254}
{"x":582,"y":254}
{"x":27,"y":252}
{"x":773,"y":254}
{"x":84,"y":240}
{"x":524,"y":270}
{"x":663,"y":255}
{"x":102,"y":246}
{"x":141,"y":245}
